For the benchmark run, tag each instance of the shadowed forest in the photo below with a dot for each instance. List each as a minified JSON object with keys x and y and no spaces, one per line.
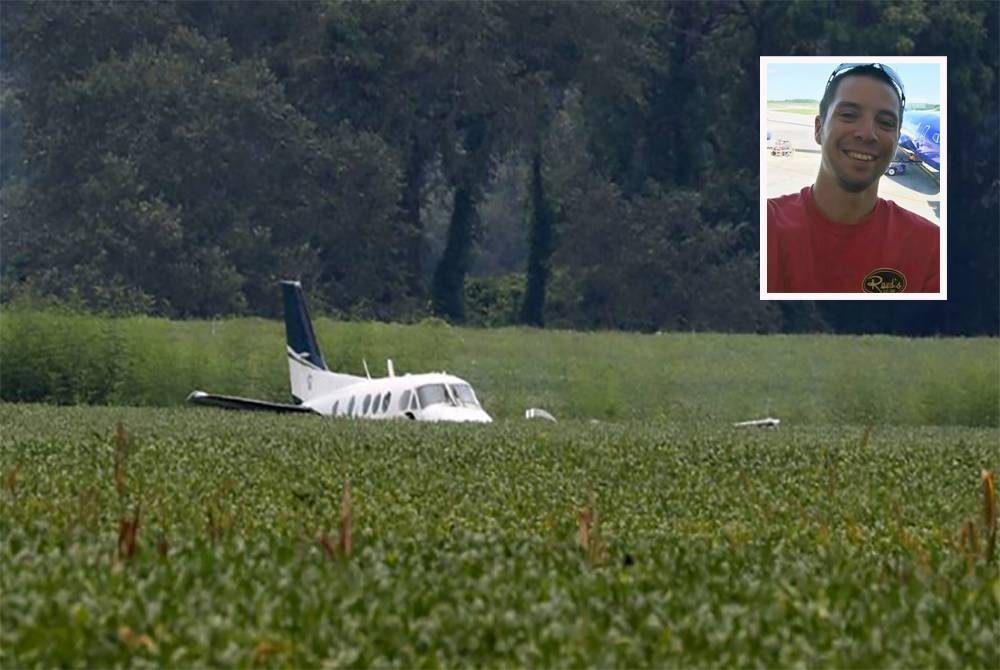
{"x":584,"y":165}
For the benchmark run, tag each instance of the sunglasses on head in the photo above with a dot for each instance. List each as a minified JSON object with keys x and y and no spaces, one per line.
{"x":893,"y":76}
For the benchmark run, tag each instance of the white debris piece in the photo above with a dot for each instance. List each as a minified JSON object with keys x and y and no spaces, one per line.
{"x":536,"y":413}
{"x":769,"y":422}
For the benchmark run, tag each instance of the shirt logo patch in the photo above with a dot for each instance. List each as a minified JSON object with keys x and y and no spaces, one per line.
{"x":884,"y":280}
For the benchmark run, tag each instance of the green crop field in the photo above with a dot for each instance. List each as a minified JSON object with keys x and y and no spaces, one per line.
{"x":802,"y":379}
{"x":198,"y":537}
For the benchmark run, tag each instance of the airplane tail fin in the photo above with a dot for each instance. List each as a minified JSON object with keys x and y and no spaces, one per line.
{"x":307,"y":370}
{"x":299,"y":335}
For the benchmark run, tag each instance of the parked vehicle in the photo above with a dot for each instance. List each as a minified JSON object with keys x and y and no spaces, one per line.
{"x":896,"y":168}
{"x":782,"y":148}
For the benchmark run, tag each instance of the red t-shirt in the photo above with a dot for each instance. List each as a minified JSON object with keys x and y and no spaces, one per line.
{"x":891,"y":250}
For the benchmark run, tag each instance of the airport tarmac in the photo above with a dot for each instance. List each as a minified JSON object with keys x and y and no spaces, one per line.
{"x":914,"y":190}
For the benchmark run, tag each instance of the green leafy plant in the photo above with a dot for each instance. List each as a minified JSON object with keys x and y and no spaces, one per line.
{"x":696,"y":543}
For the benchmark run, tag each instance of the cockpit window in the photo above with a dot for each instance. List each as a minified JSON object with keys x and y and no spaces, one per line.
{"x":458,"y":395}
{"x":432,"y":394}
{"x":464,"y":394}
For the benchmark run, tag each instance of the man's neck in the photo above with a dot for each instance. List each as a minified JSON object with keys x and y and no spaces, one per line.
{"x":842,"y":206}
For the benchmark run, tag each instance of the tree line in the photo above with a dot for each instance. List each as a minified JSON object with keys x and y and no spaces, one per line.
{"x":582,"y":165}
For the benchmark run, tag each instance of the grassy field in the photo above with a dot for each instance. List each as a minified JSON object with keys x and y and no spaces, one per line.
{"x":805,"y":379}
{"x":811,"y":107}
{"x":794,"y":107}
{"x":198,"y":537}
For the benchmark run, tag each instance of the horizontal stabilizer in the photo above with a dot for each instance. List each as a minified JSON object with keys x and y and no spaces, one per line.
{"x":234,"y":402}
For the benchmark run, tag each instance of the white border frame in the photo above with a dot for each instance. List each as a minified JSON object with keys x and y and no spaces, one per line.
{"x":834,"y":61}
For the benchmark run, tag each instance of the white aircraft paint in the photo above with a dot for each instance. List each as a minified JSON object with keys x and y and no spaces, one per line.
{"x":435,"y":396}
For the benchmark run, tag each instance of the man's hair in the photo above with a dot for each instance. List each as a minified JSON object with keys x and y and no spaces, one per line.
{"x":859,"y":71}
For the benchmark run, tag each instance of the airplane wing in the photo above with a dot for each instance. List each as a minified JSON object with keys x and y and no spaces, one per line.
{"x":234,"y":402}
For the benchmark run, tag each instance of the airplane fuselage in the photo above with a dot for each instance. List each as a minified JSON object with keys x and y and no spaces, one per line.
{"x":921,"y":138}
{"x":425,"y":397}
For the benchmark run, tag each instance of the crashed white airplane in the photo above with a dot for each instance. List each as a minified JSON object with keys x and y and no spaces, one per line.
{"x":318,"y":390}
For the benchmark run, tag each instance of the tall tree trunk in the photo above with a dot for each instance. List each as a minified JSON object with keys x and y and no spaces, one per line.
{"x":448,"y":287}
{"x":540,"y":251}
{"x":449,"y":277}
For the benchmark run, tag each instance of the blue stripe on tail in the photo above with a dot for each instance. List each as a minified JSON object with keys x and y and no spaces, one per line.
{"x":298,"y":326}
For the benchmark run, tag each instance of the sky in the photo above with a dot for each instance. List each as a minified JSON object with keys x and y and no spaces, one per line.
{"x":785,"y":81}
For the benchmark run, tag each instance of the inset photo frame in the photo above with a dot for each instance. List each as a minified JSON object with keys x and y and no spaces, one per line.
{"x":853,"y":195}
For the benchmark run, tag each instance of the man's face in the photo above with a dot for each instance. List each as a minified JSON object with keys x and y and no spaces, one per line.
{"x":859,"y":134}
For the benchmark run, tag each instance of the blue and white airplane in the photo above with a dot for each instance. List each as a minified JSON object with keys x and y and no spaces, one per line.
{"x":920,"y":138}
{"x":316,"y":389}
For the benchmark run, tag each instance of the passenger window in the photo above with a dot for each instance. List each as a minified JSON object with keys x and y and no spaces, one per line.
{"x":385,"y":401}
{"x":368,"y":402}
{"x":333,"y":412}
{"x":377,"y":404}
{"x":350,"y":407}
{"x":404,"y":401}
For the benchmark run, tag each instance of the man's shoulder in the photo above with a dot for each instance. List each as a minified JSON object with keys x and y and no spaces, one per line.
{"x":910,"y":219}
{"x":790,"y":200}
{"x":786,"y":210}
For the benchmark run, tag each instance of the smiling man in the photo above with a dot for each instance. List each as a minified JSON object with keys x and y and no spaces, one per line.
{"x":838,"y":236}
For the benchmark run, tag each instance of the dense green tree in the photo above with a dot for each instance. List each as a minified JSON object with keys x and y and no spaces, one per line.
{"x":968,"y":33}
{"x":374,"y":65}
{"x":185,"y":175}
{"x":564,"y":53}
{"x":177,"y":157}
{"x":481,"y":124}
{"x":649,"y":262}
